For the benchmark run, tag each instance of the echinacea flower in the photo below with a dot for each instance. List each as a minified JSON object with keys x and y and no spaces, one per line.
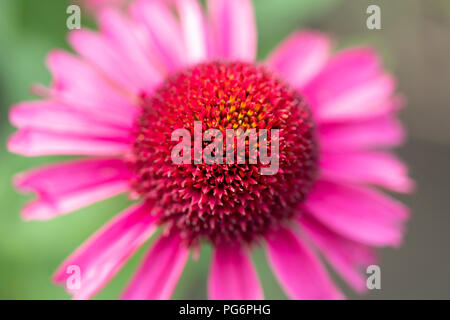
{"x":148,"y":72}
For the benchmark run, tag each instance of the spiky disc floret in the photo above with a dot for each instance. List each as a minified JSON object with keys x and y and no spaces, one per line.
{"x":223,"y":202}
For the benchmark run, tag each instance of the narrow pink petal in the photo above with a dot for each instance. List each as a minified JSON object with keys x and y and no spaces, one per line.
{"x":124,"y":38}
{"x":68,"y":186}
{"x":362,"y":100}
{"x":95,"y":48}
{"x":232,"y":275}
{"x":159,"y":273}
{"x":104,"y":254}
{"x":348,"y":257}
{"x":359,"y":213}
{"x":234,"y":28}
{"x":300,"y":57}
{"x":352,"y":85}
{"x":194,"y":30}
{"x":346,"y":68}
{"x":35,"y":142}
{"x":380,"y":168}
{"x":89,"y":90}
{"x":381,"y":131}
{"x":298,"y":270}
{"x":163,"y":31}
{"x":55,"y":116}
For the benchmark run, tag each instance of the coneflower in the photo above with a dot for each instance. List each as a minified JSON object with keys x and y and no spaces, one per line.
{"x":150,"y":72}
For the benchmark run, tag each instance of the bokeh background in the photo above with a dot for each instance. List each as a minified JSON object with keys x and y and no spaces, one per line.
{"x":415,"y":44}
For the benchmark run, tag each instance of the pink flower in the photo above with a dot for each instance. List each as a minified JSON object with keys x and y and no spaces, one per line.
{"x":149,"y":72}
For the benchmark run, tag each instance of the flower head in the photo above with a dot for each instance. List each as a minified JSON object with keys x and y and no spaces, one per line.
{"x":148,"y":73}
{"x":222,"y":201}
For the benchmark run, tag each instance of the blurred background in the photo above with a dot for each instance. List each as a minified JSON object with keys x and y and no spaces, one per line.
{"x":415,"y":44}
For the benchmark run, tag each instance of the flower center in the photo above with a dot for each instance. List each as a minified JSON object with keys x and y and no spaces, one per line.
{"x":224,"y":201}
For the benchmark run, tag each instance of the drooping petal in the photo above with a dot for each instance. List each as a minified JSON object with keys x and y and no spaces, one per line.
{"x":65,"y":187}
{"x":380,"y":168}
{"x":357,"y":212}
{"x":368,"y":99}
{"x":82,"y":87}
{"x":348,"y":67}
{"x":232,"y":275}
{"x":163,"y":31}
{"x":159,"y":273}
{"x":298,"y":270}
{"x":96,"y":49}
{"x":234,"y":27}
{"x":194,"y":29}
{"x":348,"y":257}
{"x":36,"y":142}
{"x":300,"y":57}
{"x":124,"y":38}
{"x":351,"y":86}
{"x":384,"y":131}
{"x":57,"y":117}
{"x":103,"y":255}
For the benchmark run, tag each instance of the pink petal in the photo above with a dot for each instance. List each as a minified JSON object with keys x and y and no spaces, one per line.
{"x":104,"y":254}
{"x":163,"y":31}
{"x":298,"y":270}
{"x":300,"y":57}
{"x":35,"y":142}
{"x":234,"y":28}
{"x":68,"y":186}
{"x":194,"y":30}
{"x":352,"y":85}
{"x":367,"y":99}
{"x":159,"y":273}
{"x":89,"y":90}
{"x":378,"y":168}
{"x":96,"y":49}
{"x":124,"y":38}
{"x":377,"y":132}
{"x":348,"y":257}
{"x":54,"y":116}
{"x":358,"y":213}
{"x":346,"y":68}
{"x":232,"y":275}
